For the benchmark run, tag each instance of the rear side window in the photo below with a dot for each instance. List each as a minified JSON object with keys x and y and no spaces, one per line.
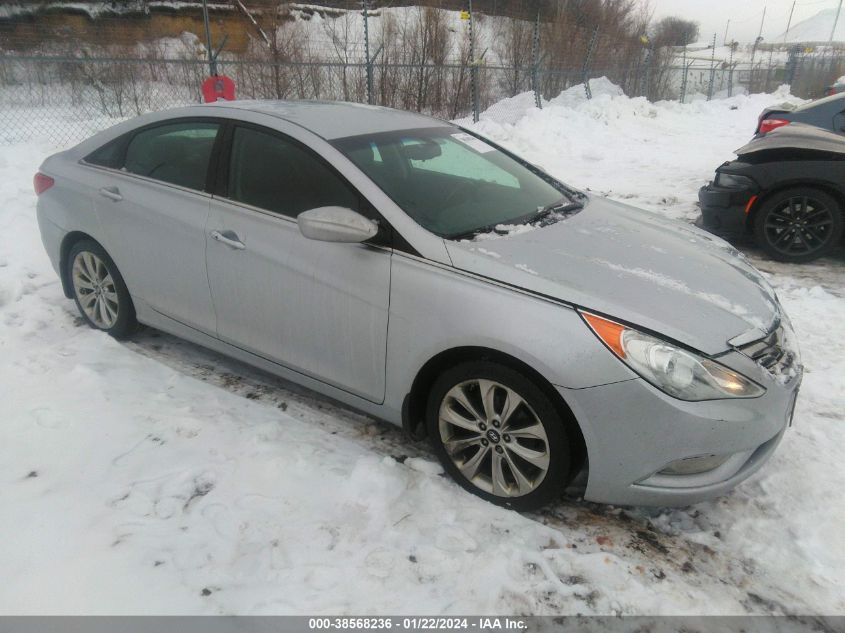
{"x":272,"y":173}
{"x":109,"y":155}
{"x":176,"y":153}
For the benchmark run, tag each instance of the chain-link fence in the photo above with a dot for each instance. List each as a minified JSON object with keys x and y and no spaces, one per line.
{"x":65,"y":75}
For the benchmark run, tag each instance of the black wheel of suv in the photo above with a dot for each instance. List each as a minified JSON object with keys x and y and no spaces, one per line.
{"x":798,"y":225}
{"x":99,"y":290}
{"x":499,"y":435}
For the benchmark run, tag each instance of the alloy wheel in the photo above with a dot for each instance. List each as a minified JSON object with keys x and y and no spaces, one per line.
{"x":801,"y":225}
{"x":95,"y":289}
{"x":494,"y":438}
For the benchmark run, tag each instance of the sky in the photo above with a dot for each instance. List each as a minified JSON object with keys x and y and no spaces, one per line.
{"x":745,"y":15}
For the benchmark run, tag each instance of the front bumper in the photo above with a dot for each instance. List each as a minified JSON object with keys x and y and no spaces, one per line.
{"x":723,"y":211}
{"x":633,"y":431}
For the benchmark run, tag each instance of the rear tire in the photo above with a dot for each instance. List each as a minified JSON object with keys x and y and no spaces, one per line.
{"x":798,"y":225}
{"x":510,"y":447}
{"x":99,"y":291}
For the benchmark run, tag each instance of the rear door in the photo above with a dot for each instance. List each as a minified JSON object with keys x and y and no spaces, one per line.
{"x":318,"y":308}
{"x":154,"y":206}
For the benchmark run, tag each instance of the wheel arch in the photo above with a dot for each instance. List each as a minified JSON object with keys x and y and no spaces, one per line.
{"x":64,"y":250}
{"x":414,"y":404}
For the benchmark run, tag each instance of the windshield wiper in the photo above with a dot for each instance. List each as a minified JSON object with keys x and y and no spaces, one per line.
{"x":561,"y":206}
{"x":468,"y":235}
{"x":564,"y":206}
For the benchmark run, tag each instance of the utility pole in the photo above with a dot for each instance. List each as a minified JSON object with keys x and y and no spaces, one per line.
{"x":789,"y":24}
{"x":760,"y":34}
{"x":212,"y":62}
{"x":835,"y":22}
{"x":727,"y":26}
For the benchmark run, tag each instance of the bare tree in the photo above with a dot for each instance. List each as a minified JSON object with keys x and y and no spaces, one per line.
{"x":513,"y":45}
{"x":674,"y":31}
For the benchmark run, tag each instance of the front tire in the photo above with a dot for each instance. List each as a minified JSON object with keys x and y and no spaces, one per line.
{"x":798,"y":225}
{"x":498,"y":435}
{"x":99,"y":291}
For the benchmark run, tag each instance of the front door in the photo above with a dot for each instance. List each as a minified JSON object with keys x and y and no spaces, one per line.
{"x":318,"y":308}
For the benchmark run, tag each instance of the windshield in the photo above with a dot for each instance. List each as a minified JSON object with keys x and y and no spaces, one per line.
{"x":451,"y":182}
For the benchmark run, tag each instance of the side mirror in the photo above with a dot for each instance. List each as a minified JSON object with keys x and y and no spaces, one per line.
{"x":336,"y":224}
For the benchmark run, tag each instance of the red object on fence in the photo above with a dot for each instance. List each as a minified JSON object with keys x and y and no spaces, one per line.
{"x":219,"y":87}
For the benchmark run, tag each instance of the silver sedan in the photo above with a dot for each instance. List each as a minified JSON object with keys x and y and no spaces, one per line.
{"x":421,"y":273}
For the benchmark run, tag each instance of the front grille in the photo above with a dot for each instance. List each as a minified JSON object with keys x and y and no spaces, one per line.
{"x":773,"y":353}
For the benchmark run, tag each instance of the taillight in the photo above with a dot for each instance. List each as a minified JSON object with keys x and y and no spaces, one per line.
{"x":767,"y":125}
{"x":42,"y":183}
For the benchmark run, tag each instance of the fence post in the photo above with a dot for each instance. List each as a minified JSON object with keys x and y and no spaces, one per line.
{"x":791,"y":65}
{"x":369,"y":62}
{"x":585,"y":71}
{"x":751,"y":66}
{"x":212,"y":62}
{"x":473,"y":68}
{"x":769,"y":69}
{"x":535,"y":62}
{"x":684,"y":78}
{"x":712,"y":69}
{"x":731,"y":73}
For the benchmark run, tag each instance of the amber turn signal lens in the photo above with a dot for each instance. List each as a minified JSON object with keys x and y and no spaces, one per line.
{"x":608,"y":331}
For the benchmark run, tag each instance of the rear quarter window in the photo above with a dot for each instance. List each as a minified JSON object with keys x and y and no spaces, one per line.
{"x":109,"y":155}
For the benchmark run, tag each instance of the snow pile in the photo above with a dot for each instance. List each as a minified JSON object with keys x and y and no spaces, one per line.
{"x":654,"y":155}
{"x":152,"y":476}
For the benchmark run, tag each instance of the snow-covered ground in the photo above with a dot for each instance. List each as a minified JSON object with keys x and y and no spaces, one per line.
{"x":153,"y":476}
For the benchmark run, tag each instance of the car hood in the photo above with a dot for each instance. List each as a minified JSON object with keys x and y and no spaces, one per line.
{"x":798,"y":136}
{"x":664,"y":276}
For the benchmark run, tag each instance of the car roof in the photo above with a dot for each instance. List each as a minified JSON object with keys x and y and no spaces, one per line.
{"x":338,"y":119}
{"x":823,"y":102}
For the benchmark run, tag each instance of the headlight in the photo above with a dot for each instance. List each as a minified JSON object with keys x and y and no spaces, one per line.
{"x":675,"y":371}
{"x":733,"y":181}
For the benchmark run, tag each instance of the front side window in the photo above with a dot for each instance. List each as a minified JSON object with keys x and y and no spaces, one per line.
{"x":272,"y":173}
{"x":175,"y":153}
{"x":451,"y":182}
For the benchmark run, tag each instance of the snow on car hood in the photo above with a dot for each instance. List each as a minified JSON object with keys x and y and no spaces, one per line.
{"x":664,"y":276}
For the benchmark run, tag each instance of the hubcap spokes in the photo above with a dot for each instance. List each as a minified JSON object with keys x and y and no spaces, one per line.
{"x":494,"y":438}
{"x":800,"y":226}
{"x":95,"y":289}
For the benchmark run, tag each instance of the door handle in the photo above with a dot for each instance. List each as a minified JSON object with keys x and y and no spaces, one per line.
{"x":229,"y":238}
{"x":112,"y":193}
